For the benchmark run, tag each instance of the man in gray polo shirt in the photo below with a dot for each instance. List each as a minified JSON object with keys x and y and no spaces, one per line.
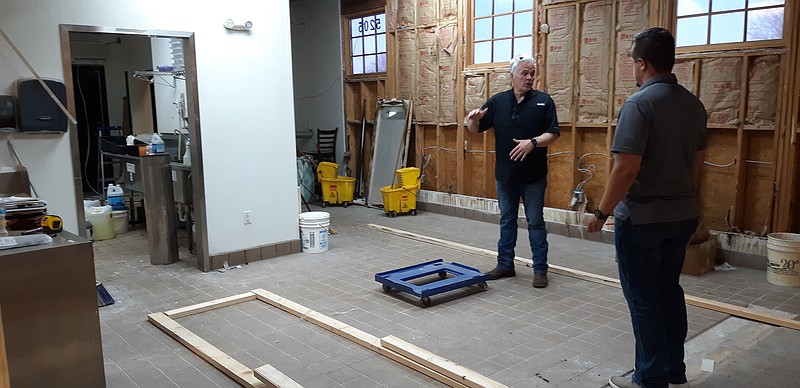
{"x":659,"y":147}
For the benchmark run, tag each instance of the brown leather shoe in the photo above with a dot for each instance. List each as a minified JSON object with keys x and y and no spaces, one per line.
{"x":540,"y":279}
{"x":499,"y":273}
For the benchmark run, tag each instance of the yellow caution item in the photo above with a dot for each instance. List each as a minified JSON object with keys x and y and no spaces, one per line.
{"x":51,"y":224}
{"x":335,"y":189}
{"x":402,"y":197}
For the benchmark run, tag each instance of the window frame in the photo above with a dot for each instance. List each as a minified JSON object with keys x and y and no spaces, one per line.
{"x":708,"y":47}
{"x":347,"y":54}
{"x":470,"y":41}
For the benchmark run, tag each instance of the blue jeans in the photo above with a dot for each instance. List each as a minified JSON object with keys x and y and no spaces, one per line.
{"x":532,"y":195}
{"x":650,"y":257}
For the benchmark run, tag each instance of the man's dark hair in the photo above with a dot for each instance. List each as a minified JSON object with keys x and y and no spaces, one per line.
{"x":656,"y":46}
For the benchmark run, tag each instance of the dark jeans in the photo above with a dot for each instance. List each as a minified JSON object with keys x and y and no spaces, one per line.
{"x":532,"y":195}
{"x":650,"y":257}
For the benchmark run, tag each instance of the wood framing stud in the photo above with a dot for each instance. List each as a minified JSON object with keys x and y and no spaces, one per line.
{"x":207,"y":306}
{"x":234,"y":369}
{"x":439,"y":364}
{"x":273,"y":377}
{"x":727,"y":308}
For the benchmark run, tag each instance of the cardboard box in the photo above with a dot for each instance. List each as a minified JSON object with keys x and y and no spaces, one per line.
{"x":700,"y":258}
{"x":14,"y":181}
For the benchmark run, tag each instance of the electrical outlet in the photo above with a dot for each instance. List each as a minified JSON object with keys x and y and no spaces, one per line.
{"x":246,"y":217}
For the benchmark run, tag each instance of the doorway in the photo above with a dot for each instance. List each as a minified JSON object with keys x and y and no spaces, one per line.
{"x":99,"y":96}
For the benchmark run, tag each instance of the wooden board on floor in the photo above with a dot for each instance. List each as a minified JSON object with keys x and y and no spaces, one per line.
{"x":439,"y":364}
{"x":234,"y":369}
{"x":207,"y":306}
{"x":727,"y":308}
{"x":271,"y":376}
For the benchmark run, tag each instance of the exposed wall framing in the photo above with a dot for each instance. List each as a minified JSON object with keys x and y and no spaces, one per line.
{"x":750,"y":181}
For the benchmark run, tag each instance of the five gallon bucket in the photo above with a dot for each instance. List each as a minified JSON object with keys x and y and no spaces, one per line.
{"x":783,"y":254}
{"x":314,"y":231}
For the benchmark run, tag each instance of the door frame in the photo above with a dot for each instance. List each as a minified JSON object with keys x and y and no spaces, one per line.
{"x":193,"y":111}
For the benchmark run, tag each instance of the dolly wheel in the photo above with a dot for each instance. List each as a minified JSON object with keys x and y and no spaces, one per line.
{"x":483,"y":285}
{"x":324,"y":204}
{"x":387,"y":288}
{"x":345,"y":204}
{"x":392,"y":214}
{"x":442,"y":275}
{"x":414,"y":212}
{"x":426,"y":300}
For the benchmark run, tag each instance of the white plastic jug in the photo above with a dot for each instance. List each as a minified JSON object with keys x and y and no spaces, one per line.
{"x":116,"y":197}
{"x":157,"y":144}
{"x":100,"y":217}
{"x":187,"y":155}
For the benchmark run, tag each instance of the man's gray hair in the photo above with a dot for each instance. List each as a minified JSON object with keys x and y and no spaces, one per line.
{"x":517,"y":59}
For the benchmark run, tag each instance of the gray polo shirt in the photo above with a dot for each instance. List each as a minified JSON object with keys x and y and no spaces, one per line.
{"x":665,"y":124}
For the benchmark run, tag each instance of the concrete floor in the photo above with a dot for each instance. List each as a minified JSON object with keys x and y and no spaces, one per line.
{"x":573,"y":333}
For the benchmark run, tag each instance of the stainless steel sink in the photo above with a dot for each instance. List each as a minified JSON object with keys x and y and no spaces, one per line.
{"x":181,"y":182}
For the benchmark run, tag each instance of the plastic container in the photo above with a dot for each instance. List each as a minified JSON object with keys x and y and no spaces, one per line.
{"x":314,"y":231}
{"x":783,"y":256}
{"x":100,"y":217}
{"x":402,"y":197}
{"x":337,"y":191}
{"x":119,"y":220}
{"x":157,"y":144}
{"x":327,"y":170}
{"x":407,"y":176}
{"x":187,"y":154}
{"x":116,"y":197}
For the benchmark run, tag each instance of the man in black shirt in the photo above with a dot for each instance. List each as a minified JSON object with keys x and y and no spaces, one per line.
{"x":525,"y":123}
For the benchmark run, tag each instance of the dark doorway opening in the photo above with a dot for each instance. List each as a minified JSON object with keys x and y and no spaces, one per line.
{"x":92,"y":115}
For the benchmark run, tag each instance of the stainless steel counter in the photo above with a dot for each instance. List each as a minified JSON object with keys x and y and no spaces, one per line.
{"x":49,"y":314}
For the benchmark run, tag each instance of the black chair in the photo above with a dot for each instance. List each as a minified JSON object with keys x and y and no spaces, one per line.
{"x":326,"y":145}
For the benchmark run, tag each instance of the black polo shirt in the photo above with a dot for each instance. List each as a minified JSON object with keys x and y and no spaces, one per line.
{"x":535,"y":115}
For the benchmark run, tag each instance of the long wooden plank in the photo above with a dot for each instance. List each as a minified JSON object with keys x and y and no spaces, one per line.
{"x":234,"y":369}
{"x":439,"y":364}
{"x":348,"y":332}
{"x":727,"y":308}
{"x":210,"y":305}
{"x":267,"y":374}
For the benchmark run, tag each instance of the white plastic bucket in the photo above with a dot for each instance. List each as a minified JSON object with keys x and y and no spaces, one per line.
{"x":783,"y":255}
{"x":100,"y":217}
{"x":119,"y":220}
{"x":314,"y":231}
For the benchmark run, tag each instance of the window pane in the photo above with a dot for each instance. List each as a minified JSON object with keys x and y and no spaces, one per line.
{"x":765,"y":24}
{"x":503,"y":6}
{"x":483,"y":52}
{"x":726,"y":5}
{"x":523,"y":45}
{"x":382,"y":63}
{"x":523,"y":4}
{"x":369,"y":44}
{"x":691,"y":31}
{"x":358,"y":65}
{"x":483,"y":8}
{"x":728,"y":27}
{"x":502,"y":27}
{"x":483,"y":29}
{"x":763,"y":3}
{"x":370,"y":64}
{"x":523,"y":23}
{"x":355,"y":27}
{"x":381,"y":40}
{"x":381,"y":23}
{"x":502,"y":50}
{"x":692,"y":7}
{"x":356,"y":46}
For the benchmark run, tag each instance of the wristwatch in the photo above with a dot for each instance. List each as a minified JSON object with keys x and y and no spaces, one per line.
{"x":600,"y":215}
{"x":534,"y":142}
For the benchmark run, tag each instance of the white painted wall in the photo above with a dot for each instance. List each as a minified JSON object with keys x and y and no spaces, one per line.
{"x":245,"y":97}
{"x":317,"y":60}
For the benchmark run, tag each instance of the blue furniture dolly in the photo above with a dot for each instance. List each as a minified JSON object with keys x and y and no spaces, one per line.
{"x":460,"y":276}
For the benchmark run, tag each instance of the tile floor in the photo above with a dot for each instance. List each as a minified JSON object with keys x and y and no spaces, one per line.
{"x":573,"y":333}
